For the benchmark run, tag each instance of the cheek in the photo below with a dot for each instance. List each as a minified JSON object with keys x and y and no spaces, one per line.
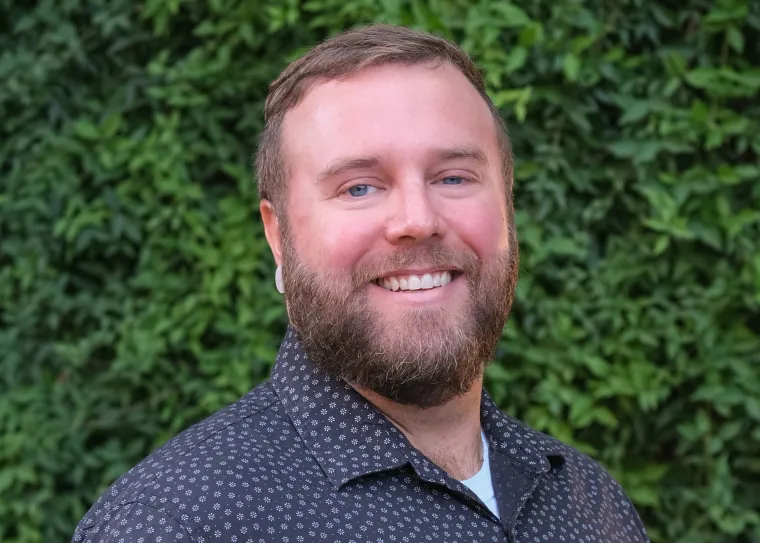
{"x":483,"y":227}
{"x":335,"y":241}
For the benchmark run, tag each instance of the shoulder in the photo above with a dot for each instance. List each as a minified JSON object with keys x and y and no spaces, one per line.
{"x":540,"y":452}
{"x":165,"y":488}
{"x":134,"y":522}
{"x":576,"y":487}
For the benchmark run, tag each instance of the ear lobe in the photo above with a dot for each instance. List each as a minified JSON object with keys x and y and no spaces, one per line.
{"x":272,"y":230}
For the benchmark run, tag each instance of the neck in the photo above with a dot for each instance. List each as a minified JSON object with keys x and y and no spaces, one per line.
{"x":449,"y":434}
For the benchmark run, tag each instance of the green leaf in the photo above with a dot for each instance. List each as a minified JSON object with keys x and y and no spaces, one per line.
{"x":510,"y":15}
{"x":517,"y":58}
{"x":571,"y":65}
{"x":735,"y":39}
{"x":634,"y":112}
{"x":85,"y":129}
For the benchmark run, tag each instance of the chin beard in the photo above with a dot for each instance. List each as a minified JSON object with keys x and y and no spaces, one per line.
{"x":439,"y":360}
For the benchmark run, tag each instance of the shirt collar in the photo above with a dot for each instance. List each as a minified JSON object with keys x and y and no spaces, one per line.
{"x":531,"y":449}
{"x":359,"y":440}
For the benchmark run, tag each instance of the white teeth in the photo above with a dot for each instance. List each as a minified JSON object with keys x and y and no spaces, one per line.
{"x":415,"y":282}
{"x":427,"y":281}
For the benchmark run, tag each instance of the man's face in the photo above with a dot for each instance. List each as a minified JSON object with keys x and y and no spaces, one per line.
{"x":396,"y":256}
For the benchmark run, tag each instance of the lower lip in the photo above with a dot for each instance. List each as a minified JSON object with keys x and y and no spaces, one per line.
{"x":421,"y":296}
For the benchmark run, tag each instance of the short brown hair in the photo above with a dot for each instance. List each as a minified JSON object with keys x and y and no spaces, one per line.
{"x":340,"y":57}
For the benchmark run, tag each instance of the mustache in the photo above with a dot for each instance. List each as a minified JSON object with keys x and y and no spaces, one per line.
{"x":426,"y":256}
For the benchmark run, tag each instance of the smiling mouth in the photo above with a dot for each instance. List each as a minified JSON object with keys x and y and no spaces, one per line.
{"x":409,"y":282}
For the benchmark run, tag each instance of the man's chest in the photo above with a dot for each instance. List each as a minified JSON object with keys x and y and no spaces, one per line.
{"x":380,"y":508}
{"x":362,"y":511}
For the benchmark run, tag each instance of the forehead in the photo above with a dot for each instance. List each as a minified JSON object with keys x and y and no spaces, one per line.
{"x":391,"y":111}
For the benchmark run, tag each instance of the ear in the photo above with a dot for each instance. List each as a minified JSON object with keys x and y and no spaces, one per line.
{"x":272,"y":230}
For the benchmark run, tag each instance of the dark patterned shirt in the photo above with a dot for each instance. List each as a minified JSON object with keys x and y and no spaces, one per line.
{"x":304,"y":458}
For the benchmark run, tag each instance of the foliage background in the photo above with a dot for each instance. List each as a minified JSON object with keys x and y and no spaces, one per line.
{"x":136,"y":287}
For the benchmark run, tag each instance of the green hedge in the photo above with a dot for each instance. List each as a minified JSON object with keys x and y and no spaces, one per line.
{"x":136,"y":286}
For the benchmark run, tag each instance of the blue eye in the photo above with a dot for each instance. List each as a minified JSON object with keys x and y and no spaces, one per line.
{"x":357,"y":191}
{"x":453,"y":180}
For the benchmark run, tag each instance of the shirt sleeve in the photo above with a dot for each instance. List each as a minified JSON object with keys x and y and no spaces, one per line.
{"x":133,"y":523}
{"x":639,"y":522}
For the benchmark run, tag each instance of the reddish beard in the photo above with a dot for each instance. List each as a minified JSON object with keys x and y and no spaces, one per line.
{"x":344,"y":336}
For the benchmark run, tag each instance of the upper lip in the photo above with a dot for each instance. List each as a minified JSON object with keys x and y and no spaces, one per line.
{"x":418,"y":271}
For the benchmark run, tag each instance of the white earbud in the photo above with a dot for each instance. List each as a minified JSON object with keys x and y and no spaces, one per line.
{"x":278,"y":280}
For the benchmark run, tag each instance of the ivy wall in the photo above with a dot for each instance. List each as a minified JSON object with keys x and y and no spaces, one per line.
{"x":136,"y":286}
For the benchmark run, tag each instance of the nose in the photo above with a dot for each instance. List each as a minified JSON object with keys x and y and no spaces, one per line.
{"x":414,"y":217}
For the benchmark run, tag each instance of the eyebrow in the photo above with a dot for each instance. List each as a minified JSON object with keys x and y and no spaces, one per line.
{"x":469,"y":152}
{"x":342,"y":165}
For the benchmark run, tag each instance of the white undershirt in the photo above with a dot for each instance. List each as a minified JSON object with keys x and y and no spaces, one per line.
{"x":481,"y":484}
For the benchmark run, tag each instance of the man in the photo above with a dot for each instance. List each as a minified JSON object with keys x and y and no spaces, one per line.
{"x":385,"y":177}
